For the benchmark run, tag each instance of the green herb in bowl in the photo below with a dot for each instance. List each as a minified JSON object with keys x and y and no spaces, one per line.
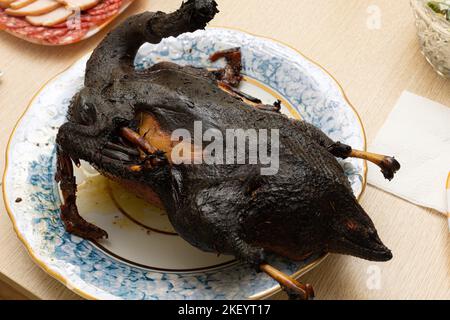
{"x":433,"y":29}
{"x":441,"y":7}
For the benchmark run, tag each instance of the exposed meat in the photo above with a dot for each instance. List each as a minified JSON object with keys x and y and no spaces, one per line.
{"x":35,"y":8}
{"x":50,"y":19}
{"x":105,"y":7}
{"x":81,"y":4}
{"x":55,"y":33}
{"x":121,"y":120}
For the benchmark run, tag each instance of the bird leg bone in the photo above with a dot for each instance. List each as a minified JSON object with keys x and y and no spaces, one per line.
{"x":237,"y":93}
{"x":231,"y":74}
{"x":294,"y":289}
{"x":153,"y":157}
{"x":275,"y":107}
{"x":230,"y":77}
{"x":73,"y":222}
{"x":389,"y":166}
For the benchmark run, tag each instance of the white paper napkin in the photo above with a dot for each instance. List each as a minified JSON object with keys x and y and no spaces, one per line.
{"x":417,"y":133}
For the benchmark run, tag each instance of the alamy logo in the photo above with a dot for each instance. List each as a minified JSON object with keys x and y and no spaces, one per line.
{"x":74,"y":22}
{"x":374,"y":278}
{"x":236,"y":146}
{"x":374,"y":19}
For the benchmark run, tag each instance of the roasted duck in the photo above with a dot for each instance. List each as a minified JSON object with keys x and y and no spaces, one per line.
{"x":121,"y":123}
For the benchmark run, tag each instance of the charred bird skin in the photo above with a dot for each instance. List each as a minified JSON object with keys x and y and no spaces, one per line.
{"x":307,"y":209}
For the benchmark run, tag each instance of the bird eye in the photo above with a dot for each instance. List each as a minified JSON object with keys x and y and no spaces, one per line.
{"x":87,"y":114}
{"x":351,"y":225}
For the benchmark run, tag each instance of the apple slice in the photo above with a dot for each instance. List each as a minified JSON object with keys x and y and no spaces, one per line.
{"x":36,"y":8}
{"x":20,"y":3}
{"x":56,"y":16}
{"x":82,"y":4}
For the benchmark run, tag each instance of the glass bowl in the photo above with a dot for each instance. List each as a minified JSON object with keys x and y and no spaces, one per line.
{"x":434,"y":36}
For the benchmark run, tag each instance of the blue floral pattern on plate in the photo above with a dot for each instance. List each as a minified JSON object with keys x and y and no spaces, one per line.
{"x":90,"y":272}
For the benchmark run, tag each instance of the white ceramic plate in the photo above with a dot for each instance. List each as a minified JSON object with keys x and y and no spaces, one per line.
{"x":144,"y":258}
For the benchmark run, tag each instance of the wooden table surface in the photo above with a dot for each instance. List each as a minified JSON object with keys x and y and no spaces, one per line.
{"x":370,"y":46}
